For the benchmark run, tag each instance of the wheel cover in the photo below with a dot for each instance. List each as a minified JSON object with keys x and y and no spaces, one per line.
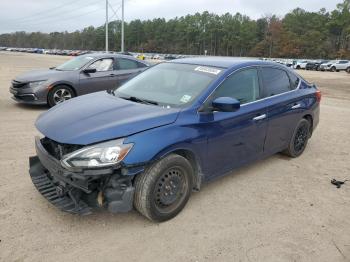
{"x":170,"y":189}
{"x":300,"y":138}
{"x":61,"y":95}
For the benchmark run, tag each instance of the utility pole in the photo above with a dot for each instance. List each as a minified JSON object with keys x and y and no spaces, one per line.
{"x":122,"y":40}
{"x":106,"y":25}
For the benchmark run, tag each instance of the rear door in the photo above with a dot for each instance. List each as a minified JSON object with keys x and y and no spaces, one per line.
{"x":284,"y":104}
{"x":102,"y":79}
{"x":343,"y":64}
{"x":236,"y":138}
{"x":127,"y":69}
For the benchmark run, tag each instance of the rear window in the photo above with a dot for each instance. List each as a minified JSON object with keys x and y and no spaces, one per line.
{"x":275,"y":81}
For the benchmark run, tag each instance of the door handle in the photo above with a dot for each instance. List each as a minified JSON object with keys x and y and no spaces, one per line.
{"x":111,"y":75}
{"x":261,"y":117}
{"x":296,"y":106}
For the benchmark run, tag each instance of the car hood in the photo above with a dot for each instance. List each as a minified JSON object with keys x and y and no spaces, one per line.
{"x":100,"y":116}
{"x":43,"y":74}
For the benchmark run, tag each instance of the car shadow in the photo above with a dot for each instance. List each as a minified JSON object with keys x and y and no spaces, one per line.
{"x":134,"y":219}
{"x":32,"y":107}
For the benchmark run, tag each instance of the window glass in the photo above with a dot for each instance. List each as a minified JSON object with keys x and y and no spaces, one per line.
{"x":294,"y":80}
{"x":125,"y":64}
{"x":141,"y":64}
{"x":170,"y":84}
{"x":244,"y":86}
{"x":105,"y":64}
{"x":275,"y":81}
{"x":75,"y":63}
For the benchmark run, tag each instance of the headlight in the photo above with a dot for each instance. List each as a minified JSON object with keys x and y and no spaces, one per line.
{"x":36,"y":83}
{"x":99,"y":155}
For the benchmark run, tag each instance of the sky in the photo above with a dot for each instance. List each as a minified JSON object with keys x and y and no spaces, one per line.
{"x":71,"y":15}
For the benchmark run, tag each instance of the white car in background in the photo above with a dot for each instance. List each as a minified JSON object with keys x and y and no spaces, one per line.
{"x":300,"y":64}
{"x":340,"y":65}
{"x":327,"y":65}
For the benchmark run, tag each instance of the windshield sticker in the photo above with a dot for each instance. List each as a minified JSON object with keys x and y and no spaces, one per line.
{"x":185,"y":99}
{"x":209,"y":70}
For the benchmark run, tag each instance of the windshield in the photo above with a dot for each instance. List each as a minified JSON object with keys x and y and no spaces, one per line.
{"x":169,"y":84}
{"x":75,"y":63}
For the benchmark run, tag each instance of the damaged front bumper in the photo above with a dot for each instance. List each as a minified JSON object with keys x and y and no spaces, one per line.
{"x":81,"y":192}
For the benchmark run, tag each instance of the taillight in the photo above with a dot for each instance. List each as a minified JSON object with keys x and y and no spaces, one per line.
{"x":318,"y":96}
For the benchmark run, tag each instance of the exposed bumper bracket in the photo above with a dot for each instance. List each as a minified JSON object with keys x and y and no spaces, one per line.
{"x":53,"y":193}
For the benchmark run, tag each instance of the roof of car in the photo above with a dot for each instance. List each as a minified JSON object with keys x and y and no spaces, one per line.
{"x":217,"y":61}
{"x":110,"y":54}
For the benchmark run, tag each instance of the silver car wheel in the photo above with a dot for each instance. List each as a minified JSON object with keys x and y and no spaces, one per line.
{"x":61,"y":95}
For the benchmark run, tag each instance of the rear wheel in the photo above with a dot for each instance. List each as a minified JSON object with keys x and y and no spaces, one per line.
{"x":59,"y":94}
{"x":348,"y":70}
{"x":163,"y":190}
{"x":299,"y":139}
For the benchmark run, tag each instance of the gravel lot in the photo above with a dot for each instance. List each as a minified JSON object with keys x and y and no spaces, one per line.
{"x":278,"y":209}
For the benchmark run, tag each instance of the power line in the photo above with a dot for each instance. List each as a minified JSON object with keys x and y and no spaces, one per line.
{"x":48,"y":18}
{"x":64,"y":19}
{"x":53,"y":9}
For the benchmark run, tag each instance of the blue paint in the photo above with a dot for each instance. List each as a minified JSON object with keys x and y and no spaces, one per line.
{"x":220,"y":141}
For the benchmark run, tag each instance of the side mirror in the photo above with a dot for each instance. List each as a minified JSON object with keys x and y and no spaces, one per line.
{"x":226,"y":104}
{"x":89,"y":70}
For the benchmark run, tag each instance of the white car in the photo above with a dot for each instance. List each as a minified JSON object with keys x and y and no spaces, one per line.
{"x":301,"y":64}
{"x":340,"y":65}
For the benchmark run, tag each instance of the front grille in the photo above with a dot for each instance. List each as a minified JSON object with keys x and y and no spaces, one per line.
{"x":57,"y":150}
{"x":26,"y":98}
{"x":17,"y":84}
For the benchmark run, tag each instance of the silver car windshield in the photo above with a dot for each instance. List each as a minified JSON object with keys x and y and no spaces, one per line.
{"x":75,"y":63}
{"x":169,"y":84}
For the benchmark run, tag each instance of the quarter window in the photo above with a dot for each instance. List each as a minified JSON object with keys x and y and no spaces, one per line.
{"x":126,"y":64}
{"x":294,"y":81}
{"x":101,"y":65}
{"x":275,"y":81}
{"x":243,"y":86}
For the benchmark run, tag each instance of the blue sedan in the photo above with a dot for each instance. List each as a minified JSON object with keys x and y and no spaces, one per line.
{"x":161,"y":135}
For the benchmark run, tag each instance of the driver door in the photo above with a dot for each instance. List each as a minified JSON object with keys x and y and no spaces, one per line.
{"x":103,"y":79}
{"x":236,"y":138}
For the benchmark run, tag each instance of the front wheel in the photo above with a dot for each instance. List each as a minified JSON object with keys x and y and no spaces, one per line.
{"x":299,"y":139}
{"x":59,"y":94}
{"x":163,"y":190}
{"x":333,"y":69}
{"x":348,"y":70}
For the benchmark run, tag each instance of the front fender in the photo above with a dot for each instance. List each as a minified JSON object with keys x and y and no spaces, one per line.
{"x":156,"y":143}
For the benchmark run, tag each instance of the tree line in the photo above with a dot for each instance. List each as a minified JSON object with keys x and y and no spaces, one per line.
{"x":299,"y":34}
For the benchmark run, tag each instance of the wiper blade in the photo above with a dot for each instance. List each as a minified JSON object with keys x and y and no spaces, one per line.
{"x":139,"y":100}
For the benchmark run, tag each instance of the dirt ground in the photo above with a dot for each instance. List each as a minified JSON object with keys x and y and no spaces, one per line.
{"x":278,"y":209}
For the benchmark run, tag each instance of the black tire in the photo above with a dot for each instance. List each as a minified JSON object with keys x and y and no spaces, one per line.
{"x":333,"y":69}
{"x":299,"y":139}
{"x":66,"y":91}
{"x":348,"y":70}
{"x":298,"y":67}
{"x":163,"y":190}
